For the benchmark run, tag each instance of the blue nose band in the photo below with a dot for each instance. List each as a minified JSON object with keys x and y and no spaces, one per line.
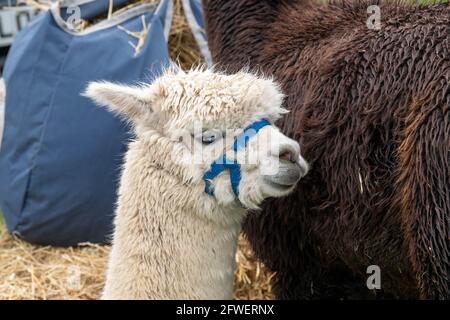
{"x":223,"y":163}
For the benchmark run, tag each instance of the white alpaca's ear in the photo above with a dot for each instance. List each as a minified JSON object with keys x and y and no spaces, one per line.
{"x":131,"y":102}
{"x":271,"y":93}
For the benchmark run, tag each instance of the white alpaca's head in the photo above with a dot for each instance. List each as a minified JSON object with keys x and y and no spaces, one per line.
{"x":198,"y":114}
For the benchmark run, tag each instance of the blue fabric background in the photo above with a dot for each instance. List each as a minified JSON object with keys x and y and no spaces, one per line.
{"x":61,"y":155}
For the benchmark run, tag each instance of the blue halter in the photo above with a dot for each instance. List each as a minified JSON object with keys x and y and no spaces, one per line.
{"x":223,"y":163}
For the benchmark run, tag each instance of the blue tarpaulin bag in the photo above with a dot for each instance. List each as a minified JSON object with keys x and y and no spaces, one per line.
{"x":61,"y":155}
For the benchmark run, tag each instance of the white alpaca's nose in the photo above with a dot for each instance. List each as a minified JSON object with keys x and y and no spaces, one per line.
{"x":291,"y":153}
{"x":288,"y":153}
{"x":304,"y":166}
{"x":291,"y":166}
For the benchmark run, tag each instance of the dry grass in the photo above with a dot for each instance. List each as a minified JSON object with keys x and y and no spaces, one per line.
{"x":36,"y":272}
{"x":252,"y":279}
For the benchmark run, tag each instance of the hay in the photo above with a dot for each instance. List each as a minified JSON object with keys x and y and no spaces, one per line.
{"x":37,"y":272}
{"x":183,"y":48}
{"x":252,"y":279}
{"x":34,"y":272}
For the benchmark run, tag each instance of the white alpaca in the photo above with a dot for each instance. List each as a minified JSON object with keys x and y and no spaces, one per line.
{"x":173,"y":240}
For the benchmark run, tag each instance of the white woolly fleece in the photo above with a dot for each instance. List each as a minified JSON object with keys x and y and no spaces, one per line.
{"x":171,"y":239}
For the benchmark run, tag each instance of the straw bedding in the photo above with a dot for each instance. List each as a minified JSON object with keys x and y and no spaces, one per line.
{"x":36,"y":272}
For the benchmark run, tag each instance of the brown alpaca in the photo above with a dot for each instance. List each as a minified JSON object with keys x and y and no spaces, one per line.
{"x":371,"y":111}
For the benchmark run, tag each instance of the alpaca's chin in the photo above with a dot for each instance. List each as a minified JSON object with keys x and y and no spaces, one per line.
{"x":285,"y":180}
{"x":276,"y":190}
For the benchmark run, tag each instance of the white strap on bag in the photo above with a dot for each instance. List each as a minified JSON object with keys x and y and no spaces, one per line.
{"x":168,"y":19}
{"x":2,"y":108}
{"x":198,"y":32}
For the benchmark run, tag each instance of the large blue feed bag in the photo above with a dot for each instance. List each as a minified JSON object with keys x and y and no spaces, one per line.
{"x":61,"y":155}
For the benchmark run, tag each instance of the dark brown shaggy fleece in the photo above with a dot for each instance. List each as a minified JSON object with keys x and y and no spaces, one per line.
{"x":371,"y":111}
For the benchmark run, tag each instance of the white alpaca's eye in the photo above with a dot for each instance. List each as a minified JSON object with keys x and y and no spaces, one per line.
{"x":210,"y":136}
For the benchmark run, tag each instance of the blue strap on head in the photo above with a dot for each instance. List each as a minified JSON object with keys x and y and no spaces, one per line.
{"x":223,"y":163}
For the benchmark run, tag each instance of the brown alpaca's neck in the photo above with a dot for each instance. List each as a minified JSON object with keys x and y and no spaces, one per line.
{"x":247,"y":28}
{"x":257,"y":32}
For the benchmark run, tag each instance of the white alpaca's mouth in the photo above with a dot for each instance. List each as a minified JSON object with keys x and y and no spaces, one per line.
{"x":288,"y":175}
{"x":279,"y":187}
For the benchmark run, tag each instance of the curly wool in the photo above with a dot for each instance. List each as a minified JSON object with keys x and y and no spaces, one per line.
{"x":371,"y":110}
